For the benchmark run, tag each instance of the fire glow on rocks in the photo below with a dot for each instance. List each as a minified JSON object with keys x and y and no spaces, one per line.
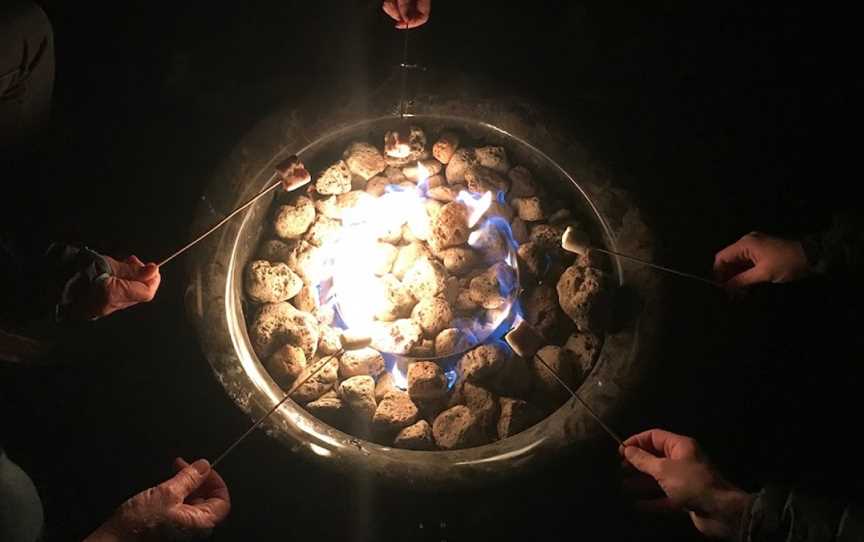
{"x":358,"y":292}
{"x":429,"y":259}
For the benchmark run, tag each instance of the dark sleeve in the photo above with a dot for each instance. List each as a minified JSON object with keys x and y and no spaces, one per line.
{"x":783,"y":515}
{"x":840,"y":248}
{"x":39,"y":278}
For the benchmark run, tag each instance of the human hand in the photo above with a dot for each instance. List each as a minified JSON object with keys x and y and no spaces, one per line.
{"x":408,"y":13}
{"x":688,"y":480}
{"x":132,"y":282}
{"x":190,"y":504}
{"x":757,"y":258}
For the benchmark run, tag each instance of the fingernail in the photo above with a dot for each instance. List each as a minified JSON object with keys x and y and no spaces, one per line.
{"x":202,"y":466}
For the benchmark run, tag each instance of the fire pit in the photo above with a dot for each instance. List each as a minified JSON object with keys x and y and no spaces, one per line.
{"x":359,"y":415}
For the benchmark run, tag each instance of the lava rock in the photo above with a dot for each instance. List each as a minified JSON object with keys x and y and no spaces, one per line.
{"x":334,"y":180}
{"x":408,"y":256}
{"x":394,"y":412}
{"x":450,"y":226}
{"x":364,"y":160}
{"x":519,"y":230}
{"x":292,"y":221}
{"x":514,"y":379}
{"x":400,"y":337}
{"x":377,"y":186}
{"x":544,"y":314}
{"x":365,"y":361}
{"x":433,"y":314}
{"x":516,"y":416}
{"x":459,"y":260}
{"x":529,"y":209}
{"x":307,"y":260}
{"x":456,"y":428}
{"x":426,"y":349}
{"x":329,"y":340}
{"x":484,"y":362}
{"x":416,"y":437}
{"x":459,"y":163}
{"x":321,"y":383}
{"x":586,"y":347}
{"x":492,"y":288}
{"x":494,"y":158}
{"x":426,"y":381}
{"x":481,"y":180}
{"x":582,"y":296}
{"x":445,"y":147}
{"x":286,"y":364}
{"x":452,"y":341}
{"x":275,"y":251}
{"x":280,"y":323}
{"x":522,"y":183}
{"x":358,"y":394}
{"x":323,"y":230}
{"x":384,"y":385}
{"x":563,"y":362}
{"x":271,"y":283}
{"x":483,"y":405}
{"x":328,"y":408}
{"x":412,"y":172}
{"x":426,"y":278}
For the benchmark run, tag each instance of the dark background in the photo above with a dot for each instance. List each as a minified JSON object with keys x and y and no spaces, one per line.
{"x":720,"y":120}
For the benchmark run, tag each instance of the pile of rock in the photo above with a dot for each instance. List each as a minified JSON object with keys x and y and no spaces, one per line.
{"x":433,"y":278}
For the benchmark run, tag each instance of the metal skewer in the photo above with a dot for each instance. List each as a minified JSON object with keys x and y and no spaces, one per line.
{"x":577,"y":242}
{"x":659,"y":267}
{"x":404,"y":67}
{"x":296,"y":386}
{"x":526,"y":342}
{"x":219,"y":224}
{"x":590,"y":411}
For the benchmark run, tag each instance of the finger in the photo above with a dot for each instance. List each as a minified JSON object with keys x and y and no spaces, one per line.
{"x":180,"y":464}
{"x":391,"y":10}
{"x":653,"y":440}
{"x":189,"y":517}
{"x":754,"y":275}
{"x":134,"y":261}
{"x":643,"y":461}
{"x":131,"y":291}
{"x":406,"y":9}
{"x":113,"y":264}
{"x":189,"y":478}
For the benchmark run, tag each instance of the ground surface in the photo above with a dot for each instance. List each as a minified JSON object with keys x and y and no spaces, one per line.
{"x":720,"y":122}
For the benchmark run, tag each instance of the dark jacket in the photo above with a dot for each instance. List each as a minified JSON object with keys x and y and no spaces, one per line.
{"x":783,"y":515}
{"x":779,"y":514}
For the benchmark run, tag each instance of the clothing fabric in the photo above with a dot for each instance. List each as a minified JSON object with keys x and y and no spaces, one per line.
{"x":21,"y":516}
{"x":26,"y":71}
{"x":838,"y":250}
{"x":783,"y":515}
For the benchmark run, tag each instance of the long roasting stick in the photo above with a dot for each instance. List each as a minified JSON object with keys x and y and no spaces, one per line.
{"x":296,"y":386}
{"x":573,"y":241}
{"x":290,"y":172}
{"x":526,"y":342}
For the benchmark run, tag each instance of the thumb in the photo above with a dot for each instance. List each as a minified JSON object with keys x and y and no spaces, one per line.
{"x":754,"y":275}
{"x":643,"y":461}
{"x":189,"y":478}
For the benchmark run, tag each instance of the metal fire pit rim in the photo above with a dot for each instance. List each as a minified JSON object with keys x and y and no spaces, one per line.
{"x":395,"y":463}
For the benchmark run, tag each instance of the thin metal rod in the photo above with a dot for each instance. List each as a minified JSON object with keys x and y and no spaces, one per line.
{"x":219,"y":224}
{"x":659,"y":267}
{"x":404,"y":67}
{"x":608,"y":429}
{"x":296,"y":386}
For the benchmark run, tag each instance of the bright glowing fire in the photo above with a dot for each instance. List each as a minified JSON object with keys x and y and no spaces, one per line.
{"x":358,"y":291}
